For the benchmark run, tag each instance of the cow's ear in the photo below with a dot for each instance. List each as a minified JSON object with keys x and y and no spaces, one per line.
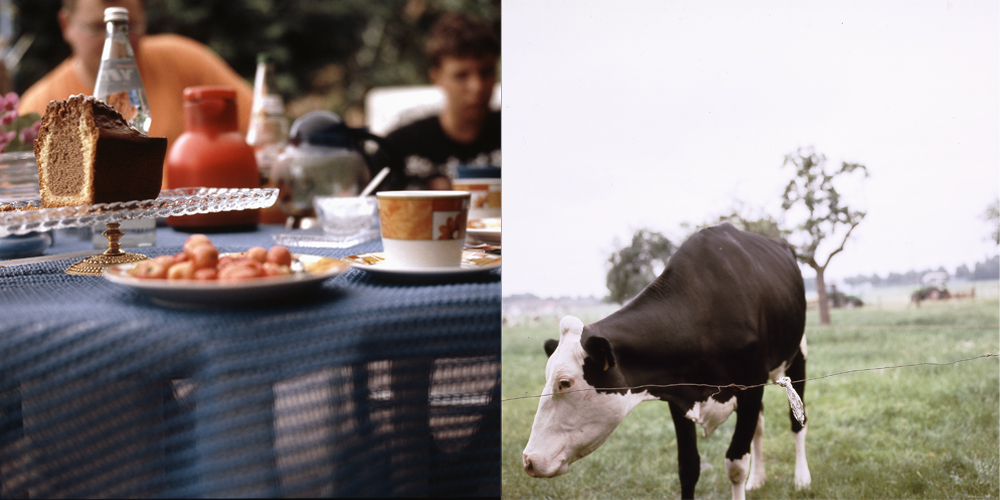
{"x":550,"y":347}
{"x":600,"y":350}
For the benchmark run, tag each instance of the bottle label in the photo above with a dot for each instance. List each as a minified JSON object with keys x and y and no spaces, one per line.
{"x":119,"y":75}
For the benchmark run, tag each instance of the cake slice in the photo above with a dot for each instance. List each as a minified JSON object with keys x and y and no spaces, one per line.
{"x":87,"y":153}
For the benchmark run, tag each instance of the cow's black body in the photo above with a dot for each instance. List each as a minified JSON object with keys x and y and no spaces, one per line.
{"x":728,"y":309}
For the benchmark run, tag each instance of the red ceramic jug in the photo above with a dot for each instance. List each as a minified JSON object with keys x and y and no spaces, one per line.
{"x":212,"y":153}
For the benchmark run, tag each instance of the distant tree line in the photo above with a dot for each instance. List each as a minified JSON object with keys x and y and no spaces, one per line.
{"x":988,"y":269}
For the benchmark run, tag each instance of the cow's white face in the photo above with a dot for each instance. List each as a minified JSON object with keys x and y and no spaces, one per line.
{"x":572,"y":419}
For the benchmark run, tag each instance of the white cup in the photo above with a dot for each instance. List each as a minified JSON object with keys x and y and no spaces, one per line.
{"x":423,"y":229}
{"x":485,"y":200}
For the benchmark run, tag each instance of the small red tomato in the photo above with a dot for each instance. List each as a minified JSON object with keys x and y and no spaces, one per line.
{"x":182,"y":271}
{"x":241,"y":271}
{"x":166,"y":260}
{"x":272,"y":269}
{"x":204,"y":257}
{"x":257,"y":253}
{"x":279,"y":255}
{"x":206,"y":274}
{"x":150,"y":269}
{"x":238,"y":260}
{"x":194,"y":241}
{"x":224,"y":260}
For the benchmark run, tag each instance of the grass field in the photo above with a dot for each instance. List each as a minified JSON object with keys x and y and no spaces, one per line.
{"x":914,"y":432}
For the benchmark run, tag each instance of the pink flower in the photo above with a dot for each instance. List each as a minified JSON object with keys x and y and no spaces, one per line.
{"x":29,"y":134}
{"x":5,"y":138}
{"x":17,"y":133}
{"x":10,"y":102}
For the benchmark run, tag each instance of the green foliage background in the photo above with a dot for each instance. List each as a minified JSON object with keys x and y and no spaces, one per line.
{"x":637,"y":265}
{"x":328,"y":54}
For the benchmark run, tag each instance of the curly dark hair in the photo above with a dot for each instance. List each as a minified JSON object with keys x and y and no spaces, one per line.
{"x":460,"y":35}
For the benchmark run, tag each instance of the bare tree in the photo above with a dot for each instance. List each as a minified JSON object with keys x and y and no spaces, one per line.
{"x":812,"y":187}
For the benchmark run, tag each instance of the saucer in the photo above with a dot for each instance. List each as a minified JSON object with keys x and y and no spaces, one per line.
{"x":485,"y":230}
{"x":377,"y":263}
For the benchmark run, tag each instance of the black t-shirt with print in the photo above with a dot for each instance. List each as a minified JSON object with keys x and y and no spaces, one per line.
{"x":421,"y":151}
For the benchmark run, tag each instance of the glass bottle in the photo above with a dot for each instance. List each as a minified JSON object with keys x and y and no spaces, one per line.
{"x":268,"y":130}
{"x":118,"y":82}
{"x":119,"y":85}
{"x":212,"y":153}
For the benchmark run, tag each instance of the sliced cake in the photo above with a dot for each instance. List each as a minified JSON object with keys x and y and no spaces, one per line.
{"x":87,"y":153}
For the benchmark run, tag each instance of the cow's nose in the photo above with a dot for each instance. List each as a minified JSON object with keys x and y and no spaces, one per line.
{"x":528,"y":467}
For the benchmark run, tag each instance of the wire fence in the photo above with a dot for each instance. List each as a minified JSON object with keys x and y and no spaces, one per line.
{"x":742,"y":387}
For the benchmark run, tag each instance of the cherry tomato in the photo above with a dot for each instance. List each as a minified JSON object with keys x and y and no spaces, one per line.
{"x":272,"y":269}
{"x":257,"y":253}
{"x":204,"y":257}
{"x":241,"y":271}
{"x":279,"y":255}
{"x":181,"y":271}
{"x":150,"y":269}
{"x":209,"y":273}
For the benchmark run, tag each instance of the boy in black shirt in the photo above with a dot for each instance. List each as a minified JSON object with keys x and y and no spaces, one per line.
{"x":463,"y":52}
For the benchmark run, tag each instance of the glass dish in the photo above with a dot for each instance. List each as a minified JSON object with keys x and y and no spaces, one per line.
{"x":22,"y":217}
{"x":317,"y":238}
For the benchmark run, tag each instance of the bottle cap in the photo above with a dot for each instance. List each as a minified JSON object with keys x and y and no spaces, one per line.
{"x":115,"y":14}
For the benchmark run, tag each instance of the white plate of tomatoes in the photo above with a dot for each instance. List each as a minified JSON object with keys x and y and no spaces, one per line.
{"x":201,"y":277}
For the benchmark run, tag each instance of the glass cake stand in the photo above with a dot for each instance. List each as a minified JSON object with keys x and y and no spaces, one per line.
{"x":23,"y":217}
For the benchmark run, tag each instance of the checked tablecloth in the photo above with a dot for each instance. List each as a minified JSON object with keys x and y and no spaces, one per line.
{"x":366,"y":388}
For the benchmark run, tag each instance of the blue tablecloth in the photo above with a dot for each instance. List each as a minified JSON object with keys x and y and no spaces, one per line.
{"x":367,"y":388}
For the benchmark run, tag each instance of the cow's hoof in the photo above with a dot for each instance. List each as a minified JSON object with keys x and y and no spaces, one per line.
{"x":755,"y":481}
{"x":803,"y":482}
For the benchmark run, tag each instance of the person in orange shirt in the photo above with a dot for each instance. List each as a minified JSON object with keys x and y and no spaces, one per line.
{"x":167,"y":64}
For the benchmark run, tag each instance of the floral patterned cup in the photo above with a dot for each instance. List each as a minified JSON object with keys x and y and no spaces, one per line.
{"x":485,"y":196}
{"x":423,"y":229}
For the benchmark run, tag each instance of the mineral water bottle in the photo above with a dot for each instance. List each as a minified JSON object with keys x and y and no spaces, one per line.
{"x":118,"y":82}
{"x":118,"y":85}
{"x":268,"y":130}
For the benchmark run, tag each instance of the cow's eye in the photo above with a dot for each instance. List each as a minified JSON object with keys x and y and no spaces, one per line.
{"x":565,"y":384}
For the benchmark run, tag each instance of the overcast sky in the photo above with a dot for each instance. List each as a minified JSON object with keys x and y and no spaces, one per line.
{"x":649,"y":114}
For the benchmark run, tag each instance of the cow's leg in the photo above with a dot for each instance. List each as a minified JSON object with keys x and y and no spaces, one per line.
{"x":738,"y":455}
{"x":757,"y":474}
{"x":797,"y":372}
{"x":688,"y":460}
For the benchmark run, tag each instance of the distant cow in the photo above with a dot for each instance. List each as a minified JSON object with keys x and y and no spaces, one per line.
{"x":728,"y":309}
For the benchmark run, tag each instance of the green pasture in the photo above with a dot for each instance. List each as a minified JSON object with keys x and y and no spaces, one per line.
{"x":912,"y":432}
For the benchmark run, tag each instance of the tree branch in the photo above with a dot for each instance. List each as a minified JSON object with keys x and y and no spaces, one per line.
{"x":838,"y":250}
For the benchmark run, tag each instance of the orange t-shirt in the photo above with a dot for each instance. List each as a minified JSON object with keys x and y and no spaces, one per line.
{"x":167,"y":64}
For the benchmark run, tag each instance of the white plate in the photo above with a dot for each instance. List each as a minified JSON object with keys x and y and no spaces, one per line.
{"x":193,"y":293}
{"x":487,"y":230}
{"x":472,"y":262}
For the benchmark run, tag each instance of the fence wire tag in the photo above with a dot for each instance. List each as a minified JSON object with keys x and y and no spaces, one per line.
{"x":793,"y":399}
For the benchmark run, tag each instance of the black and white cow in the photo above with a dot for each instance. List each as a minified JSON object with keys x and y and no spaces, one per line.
{"x":729,"y":308}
